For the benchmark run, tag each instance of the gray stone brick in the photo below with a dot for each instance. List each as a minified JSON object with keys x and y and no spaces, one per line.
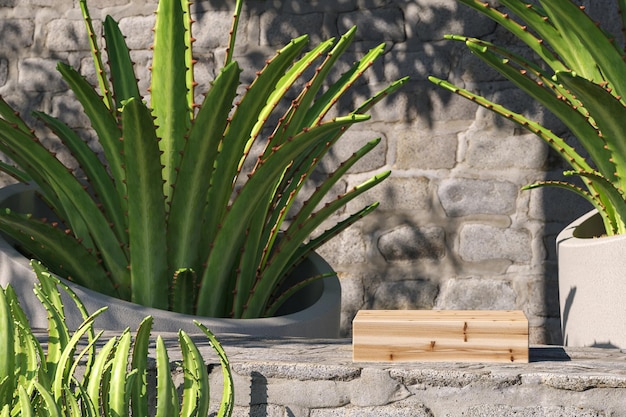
{"x":489,"y":410}
{"x":376,"y":388}
{"x":7,"y":3}
{"x":318,"y":393}
{"x":415,"y":294}
{"x":258,"y":410}
{"x":4,"y":71}
{"x":352,"y":300}
{"x":428,"y":60}
{"x":463,"y":197}
{"x":67,"y":108}
{"x":40,"y":74}
{"x":417,"y":148}
{"x":102,"y":4}
{"x":383,"y":24}
{"x":480,"y":242}
{"x":543,"y":297}
{"x":350,"y":142}
{"x":347,"y":248}
{"x":406,"y":243}
{"x":138,"y":31}
{"x":66,"y":4}
{"x":392,"y":410}
{"x":442,"y":105}
{"x":297,"y":371}
{"x":303,"y":7}
{"x":400,"y":107}
{"x":16,"y":34}
{"x":492,"y":151}
{"x":396,"y":193}
{"x":440,"y":17}
{"x":211,"y":30}
{"x":279,"y":29}
{"x":66,"y":35}
{"x":476,"y":294}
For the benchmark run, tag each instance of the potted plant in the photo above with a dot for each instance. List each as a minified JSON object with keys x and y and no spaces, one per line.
{"x":173,"y":219}
{"x":81,"y":374}
{"x":579,"y":75}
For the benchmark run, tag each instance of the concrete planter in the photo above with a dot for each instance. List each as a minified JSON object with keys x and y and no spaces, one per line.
{"x":592,"y":284}
{"x":312,"y":312}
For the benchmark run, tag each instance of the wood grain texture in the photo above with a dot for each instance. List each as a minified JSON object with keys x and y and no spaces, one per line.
{"x":438,"y":335}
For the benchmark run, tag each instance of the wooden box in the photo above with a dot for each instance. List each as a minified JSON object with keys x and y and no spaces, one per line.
{"x":440,"y":335}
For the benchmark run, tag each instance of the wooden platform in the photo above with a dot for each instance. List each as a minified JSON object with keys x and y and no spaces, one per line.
{"x":439,"y":335}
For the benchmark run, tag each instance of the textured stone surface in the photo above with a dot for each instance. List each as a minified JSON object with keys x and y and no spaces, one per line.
{"x":39,"y":74}
{"x":532,"y":411}
{"x":476,"y":294}
{"x":384,"y":25}
{"x":407,"y":243}
{"x":407,"y":294}
{"x":4,"y":71}
{"x":490,"y":151}
{"x":397,"y":194}
{"x":303,"y":378}
{"x":463,"y":197}
{"x":482,"y":242}
{"x":66,"y":36}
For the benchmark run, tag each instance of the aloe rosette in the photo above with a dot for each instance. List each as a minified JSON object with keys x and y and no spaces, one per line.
{"x":172,"y":219}
{"x":579,"y":74}
{"x":80,"y":373}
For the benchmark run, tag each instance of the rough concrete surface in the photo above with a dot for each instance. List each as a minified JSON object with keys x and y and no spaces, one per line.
{"x":300,"y":378}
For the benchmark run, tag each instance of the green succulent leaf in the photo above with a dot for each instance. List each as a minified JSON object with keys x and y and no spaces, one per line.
{"x":139,"y":395}
{"x":169,"y":88}
{"x":71,"y":257}
{"x":96,"y":55}
{"x":146,"y":207}
{"x":95,"y":172}
{"x":232,"y":232}
{"x":184,"y":288}
{"x":608,"y":114}
{"x":228,"y":393}
{"x":197,"y":167}
{"x":195,"y":397}
{"x":118,"y":400}
{"x":598,"y":60}
{"x":103,"y":122}
{"x":122,"y":73}
{"x":166,"y":398}
{"x":7,"y":354}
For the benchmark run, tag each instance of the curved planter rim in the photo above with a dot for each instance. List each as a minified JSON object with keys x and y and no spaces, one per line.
{"x":584,"y":231}
{"x":319,"y":320}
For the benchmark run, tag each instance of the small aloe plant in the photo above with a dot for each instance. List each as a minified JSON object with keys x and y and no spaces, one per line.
{"x":172,"y":219}
{"x":580,"y":76}
{"x":81,"y":375}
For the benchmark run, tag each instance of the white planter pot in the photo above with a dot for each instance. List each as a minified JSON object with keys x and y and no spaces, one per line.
{"x":313,"y":312}
{"x":592,"y":284}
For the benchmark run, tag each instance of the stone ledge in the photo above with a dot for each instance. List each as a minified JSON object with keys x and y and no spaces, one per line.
{"x":317,"y":378}
{"x":300,"y":378}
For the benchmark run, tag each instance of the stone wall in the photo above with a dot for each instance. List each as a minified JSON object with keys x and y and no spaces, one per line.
{"x":316,"y":378}
{"x":453,"y":229}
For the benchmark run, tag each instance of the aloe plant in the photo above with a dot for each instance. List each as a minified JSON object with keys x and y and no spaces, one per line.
{"x":579,"y":74}
{"x":172,"y":219}
{"x":38,"y":380}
